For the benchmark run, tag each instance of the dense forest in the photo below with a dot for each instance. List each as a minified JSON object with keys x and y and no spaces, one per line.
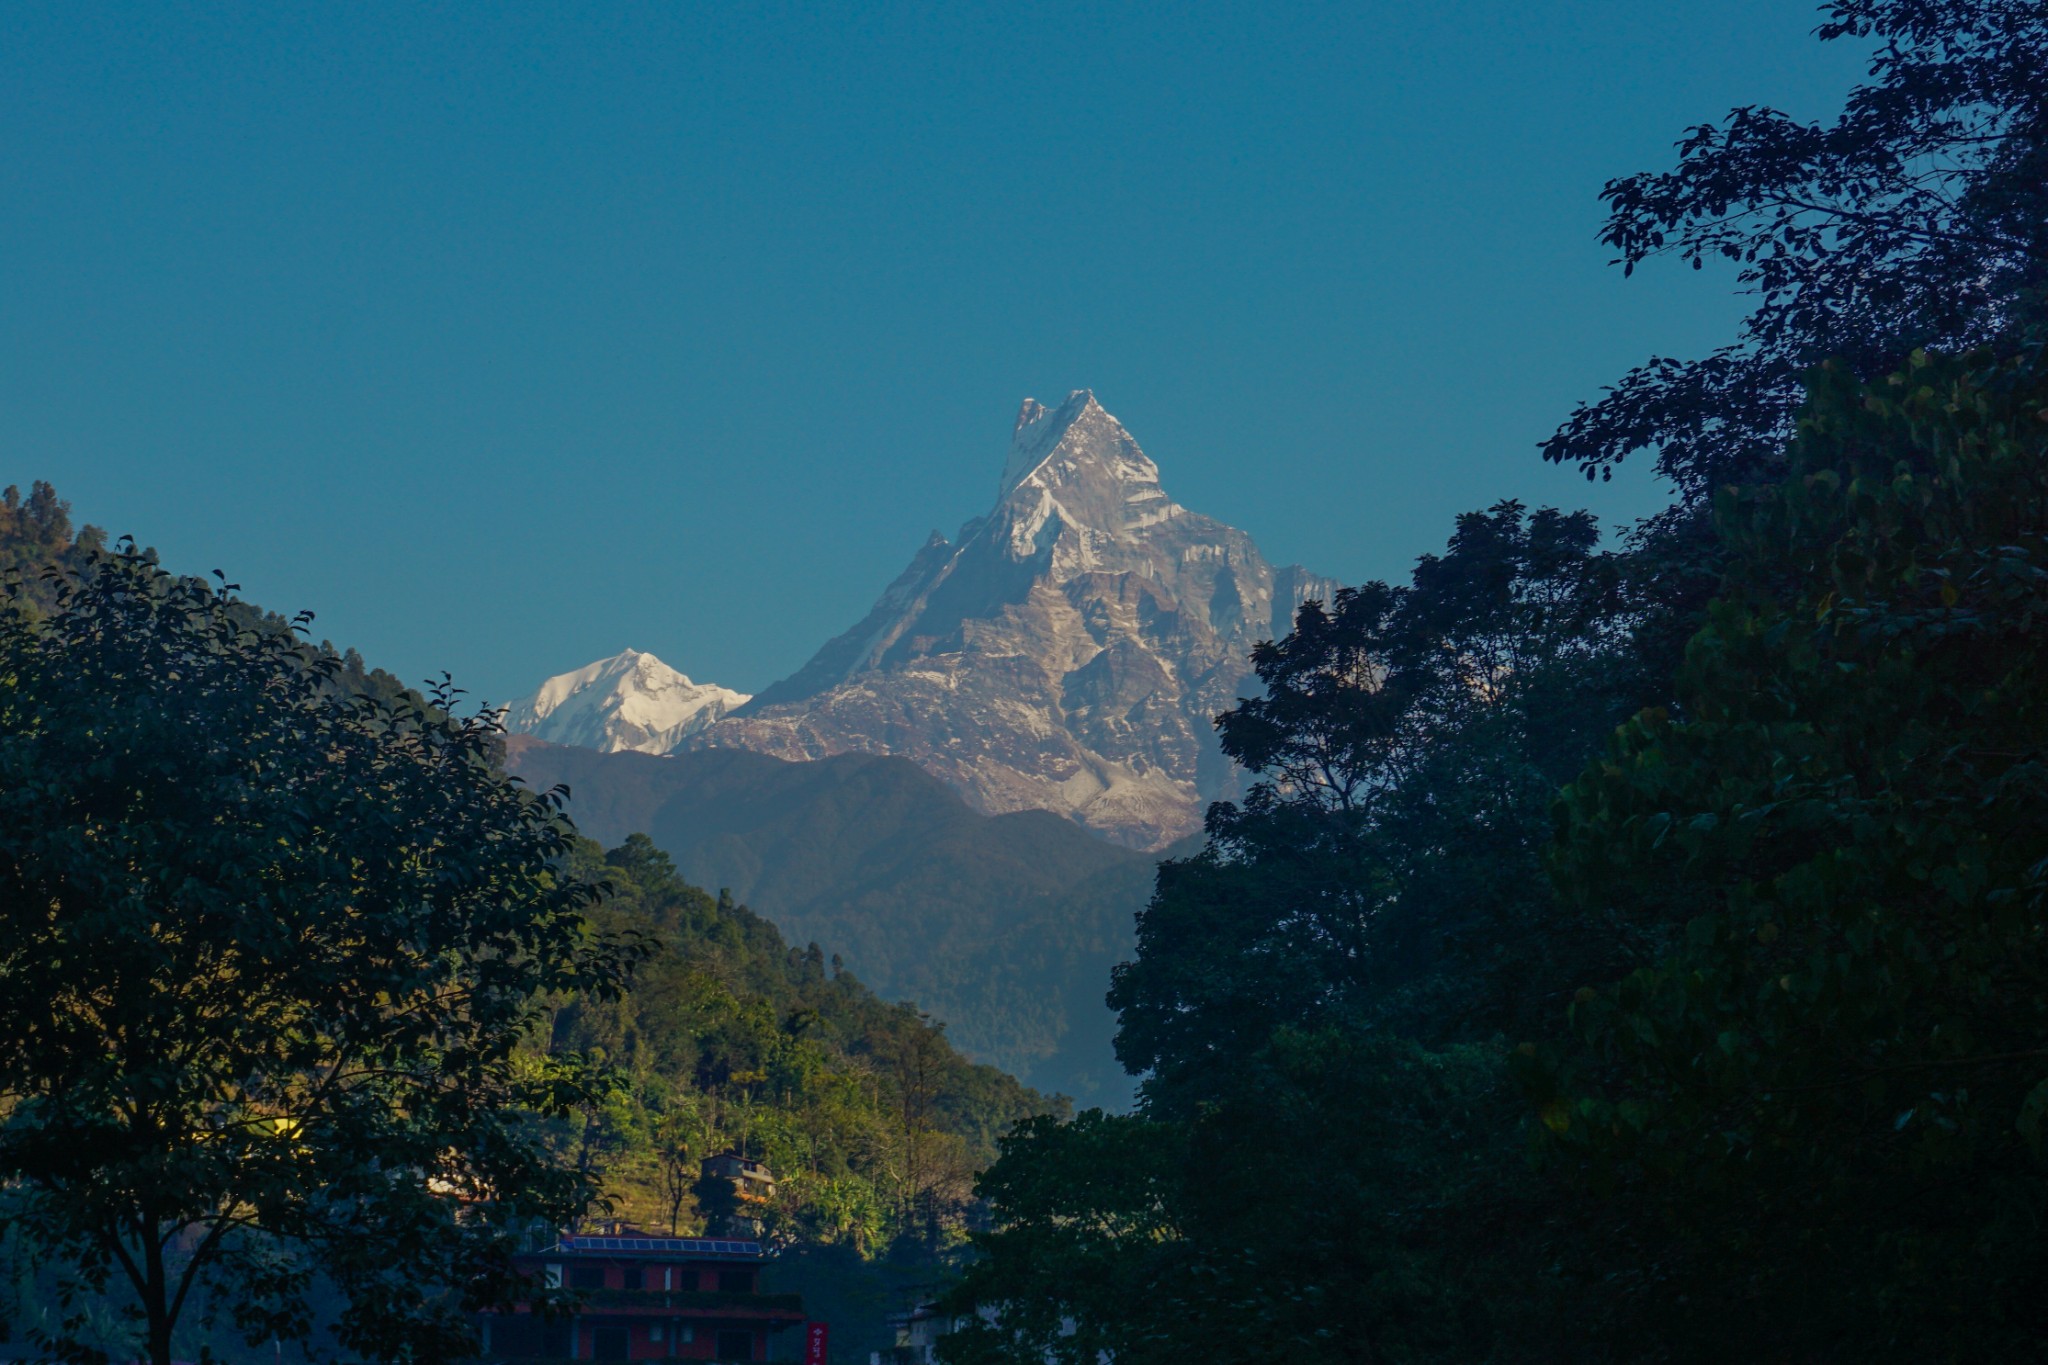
{"x":1639,"y":951}
{"x":709,"y":1034}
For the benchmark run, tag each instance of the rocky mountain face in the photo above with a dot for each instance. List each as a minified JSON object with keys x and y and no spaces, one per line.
{"x":629,"y":701}
{"x":1066,"y":652}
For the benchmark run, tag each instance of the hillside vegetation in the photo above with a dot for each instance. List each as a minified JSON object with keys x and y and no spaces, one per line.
{"x":724,"y":1036}
{"x":730,"y":1038}
{"x":1006,"y":926}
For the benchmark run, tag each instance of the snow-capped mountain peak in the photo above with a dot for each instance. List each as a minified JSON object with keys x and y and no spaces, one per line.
{"x":629,"y":701}
{"x":1075,"y":481}
{"x":1068,"y":652}
{"x":1077,"y":445}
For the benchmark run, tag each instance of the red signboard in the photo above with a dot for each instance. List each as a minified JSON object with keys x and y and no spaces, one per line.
{"x":815,"y":1335}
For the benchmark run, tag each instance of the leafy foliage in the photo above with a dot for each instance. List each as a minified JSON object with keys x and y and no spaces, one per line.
{"x":1917,"y":218}
{"x":1832,"y":1076}
{"x":1089,"y":1251}
{"x":1409,"y":744}
{"x":267,"y":956}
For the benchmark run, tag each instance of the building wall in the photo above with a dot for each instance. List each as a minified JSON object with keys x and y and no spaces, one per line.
{"x":636,"y":1330}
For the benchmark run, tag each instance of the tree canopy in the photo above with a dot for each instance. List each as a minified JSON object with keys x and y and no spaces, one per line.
{"x":268,"y":953}
{"x":1734,"y":1049}
{"x":1918,"y":217}
{"x":1832,"y":1074}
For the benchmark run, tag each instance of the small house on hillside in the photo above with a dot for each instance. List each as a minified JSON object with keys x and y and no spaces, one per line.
{"x":917,"y":1336}
{"x":752,"y":1181}
{"x":733,"y":1193}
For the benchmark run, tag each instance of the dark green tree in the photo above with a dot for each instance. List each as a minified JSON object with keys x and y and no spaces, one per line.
{"x":1327,"y":1161}
{"x":1828,"y":1070}
{"x":1917,"y":217}
{"x":1408,"y":744}
{"x":1090,"y":1257}
{"x":268,"y":954}
{"x":718,"y":1203}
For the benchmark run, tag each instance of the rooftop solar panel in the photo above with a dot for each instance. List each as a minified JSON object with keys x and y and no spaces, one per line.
{"x":687,"y":1246}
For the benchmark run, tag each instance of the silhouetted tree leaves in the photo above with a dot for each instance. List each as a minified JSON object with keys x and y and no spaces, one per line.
{"x":1824,"y":1070}
{"x":1916,"y":218}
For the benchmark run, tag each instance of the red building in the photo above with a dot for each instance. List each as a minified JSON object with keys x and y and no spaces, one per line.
{"x":646,"y":1298}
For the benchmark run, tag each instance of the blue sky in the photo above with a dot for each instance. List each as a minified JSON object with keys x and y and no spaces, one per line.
{"x":505,"y":337}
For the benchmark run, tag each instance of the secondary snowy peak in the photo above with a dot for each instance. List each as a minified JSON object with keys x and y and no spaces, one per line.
{"x":629,"y":701}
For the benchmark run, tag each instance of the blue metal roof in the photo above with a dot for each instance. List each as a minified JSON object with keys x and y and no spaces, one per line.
{"x":660,"y":1246}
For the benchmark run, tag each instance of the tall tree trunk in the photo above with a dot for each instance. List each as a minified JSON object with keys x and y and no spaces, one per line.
{"x":156,"y":1295}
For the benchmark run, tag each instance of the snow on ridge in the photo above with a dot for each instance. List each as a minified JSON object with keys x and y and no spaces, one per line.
{"x":1040,"y":433}
{"x":631,"y":700}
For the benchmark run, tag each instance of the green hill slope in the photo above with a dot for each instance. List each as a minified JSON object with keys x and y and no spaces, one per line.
{"x":1003,"y":926}
{"x":728,"y":1037}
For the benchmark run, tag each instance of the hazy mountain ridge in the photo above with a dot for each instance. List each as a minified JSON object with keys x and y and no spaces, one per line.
{"x":1005,"y":927}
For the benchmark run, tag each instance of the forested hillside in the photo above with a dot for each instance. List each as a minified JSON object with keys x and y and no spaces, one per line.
{"x":1006,"y":926}
{"x":36,"y":533}
{"x":730,"y":1037}
{"x":722,"y":1036}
